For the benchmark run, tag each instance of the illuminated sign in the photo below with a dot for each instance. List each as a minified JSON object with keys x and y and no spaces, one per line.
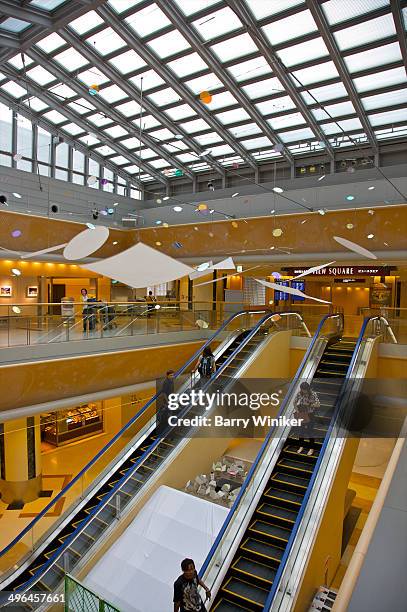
{"x":344,"y":271}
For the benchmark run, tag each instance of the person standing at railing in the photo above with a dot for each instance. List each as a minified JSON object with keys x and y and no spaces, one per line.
{"x":186,"y":594}
{"x":151,"y":301}
{"x":84,"y":299}
{"x":305,"y":403}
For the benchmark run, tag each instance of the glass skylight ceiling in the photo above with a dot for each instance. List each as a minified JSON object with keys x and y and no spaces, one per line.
{"x":156,"y":58}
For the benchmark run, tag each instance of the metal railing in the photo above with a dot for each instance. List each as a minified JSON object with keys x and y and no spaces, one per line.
{"x":78,"y":598}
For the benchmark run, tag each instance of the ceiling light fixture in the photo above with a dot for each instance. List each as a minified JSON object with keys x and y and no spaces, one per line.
{"x":166,"y":198}
{"x":177,"y":209}
{"x":235,"y":194}
{"x":321,"y":177}
{"x":16,"y":271}
{"x":278,"y":189}
{"x":370,"y":236}
{"x":16,"y":309}
{"x":349,"y":198}
{"x":17,"y":195}
{"x":371,"y":188}
{"x":272,"y":211}
{"x":115,"y":242}
{"x":116,"y":204}
{"x":321,"y":211}
{"x":158,"y":222}
{"x":159,"y":201}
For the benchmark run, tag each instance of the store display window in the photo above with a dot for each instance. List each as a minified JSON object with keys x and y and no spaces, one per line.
{"x":66,"y":426}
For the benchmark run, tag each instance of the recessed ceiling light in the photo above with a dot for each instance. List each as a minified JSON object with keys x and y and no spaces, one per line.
{"x":17,"y":195}
{"x":116,"y":204}
{"x":278,"y":189}
{"x":165,"y":225}
{"x":115,"y":242}
{"x":385,"y":244}
{"x":166,"y":198}
{"x":211,"y":211}
{"x":16,"y":233}
{"x":349,"y":198}
{"x":195,"y":228}
{"x":321,"y":211}
{"x":370,"y":211}
{"x":371,"y":187}
{"x":272,"y":248}
{"x":16,"y":271}
{"x":159,"y":201}
{"x":304,"y":221}
{"x":370,"y":236}
{"x":277,"y":232}
{"x":177,"y":209}
{"x":90,"y":226}
{"x":16,"y":309}
{"x":272,"y":211}
{"x":349,"y":226}
{"x":158,"y":222}
{"x":158,"y":243}
{"x":321,"y":177}
{"x":235,"y":194}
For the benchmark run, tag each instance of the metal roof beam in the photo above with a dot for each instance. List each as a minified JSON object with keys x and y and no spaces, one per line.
{"x":7,"y":39}
{"x":160,"y":67}
{"x":176,"y":17}
{"x":399,"y":24}
{"x":329,"y":40}
{"x":55,"y":104}
{"x":135,"y":94}
{"x":22,"y":109}
{"x":26,"y":13}
{"x":101,"y":107}
{"x":279,"y":70}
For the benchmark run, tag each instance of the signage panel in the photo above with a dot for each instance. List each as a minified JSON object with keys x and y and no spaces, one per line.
{"x":343,"y":271}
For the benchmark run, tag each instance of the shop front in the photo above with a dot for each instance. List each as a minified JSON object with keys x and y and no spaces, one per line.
{"x":66,"y":426}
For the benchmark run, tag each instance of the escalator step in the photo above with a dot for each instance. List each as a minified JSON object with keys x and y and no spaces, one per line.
{"x":250,"y":568}
{"x":225,"y":605}
{"x":246,"y":592}
{"x":277,"y":512}
{"x":297,"y":467}
{"x":289,"y":479}
{"x":292,"y":451}
{"x":261,"y":549}
{"x":335,"y":374}
{"x":272,"y":531}
{"x":282,"y":496}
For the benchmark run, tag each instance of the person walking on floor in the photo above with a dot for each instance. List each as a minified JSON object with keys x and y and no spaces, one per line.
{"x":305,"y":404}
{"x":186,"y":594}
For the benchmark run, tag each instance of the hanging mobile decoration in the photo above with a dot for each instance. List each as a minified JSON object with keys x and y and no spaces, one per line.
{"x":17,"y":157}
{"x":178,"y":172}
{"x":205,"y":97}
{"x":94,"y":89}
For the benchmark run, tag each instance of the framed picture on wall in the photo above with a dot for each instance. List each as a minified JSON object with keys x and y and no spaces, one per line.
{"x":6,"y":291}
{"x":32,"y":291}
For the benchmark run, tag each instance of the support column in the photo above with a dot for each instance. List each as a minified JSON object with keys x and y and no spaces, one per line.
{"x":20,"y":460}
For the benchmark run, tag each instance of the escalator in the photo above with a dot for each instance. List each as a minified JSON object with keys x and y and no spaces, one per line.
{"x":80,"y":533}
{"x":251,"y":573}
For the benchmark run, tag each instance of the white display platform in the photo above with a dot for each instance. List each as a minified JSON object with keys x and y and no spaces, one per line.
{"x":138,"y":572}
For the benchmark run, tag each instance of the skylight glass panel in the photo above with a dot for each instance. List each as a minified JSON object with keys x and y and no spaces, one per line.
{"x":256,"y":143}
{"x":180,"y":112}
{"x":148,"y":121}
{"x":290,"y":27}
{"x":365,"y":32}
{"x":147,"y":153}
{"x":70,"y":59}
{"x":195,"y":126}
{"x":149,"y":79}
{"x":245,"y":130}
{"x":175,"y":146}
{"x":159,"y":163}
{"x":334,"y":110}
{"x":132,"y":169}
{"x":47,"y":5}
{"x":186,"y":157}
{"x":35,"y":104}
{"x":276,"y":105}
{"x":112,"y":93}
{"x":165,"y":96}
{"x":162,"y":134}
{"x":203,"y":83}
{"x":17,"y":61}
{"x":249,"y":69}
{"x":206,"y":139}
{"x":222,"y":149}
{"x":99,"y":119}
{"x":389,"y":98}
{"x":73,"y":129}
{"x":92,"y":77}
{"x":168,"y":44}
{"x":310,"y":75}
{"x":294,"y":135}
{"x":262,"y":8}
{"x":40,"y":75}
{"x":89,"y":140}
{"x":386,"y":78}
{"x":119,"y":160}
{"x":86,"y":22}
{"x":130,"y":143}
{"x":116,"y":131}
{"x":128,"y":109}
{"x":188,"y":65}
{"x":54,"y":116}
{"x":346,"y":124}
{"x":327,"y":92}
{"x":278,"y":123}
{"x":127,"y":62}
{"x":81,"y":106}
{"x":14,"y":89}
{"x":390,"y":116}
{"x":379,"y":56}
{"x":232,"y":116}
{"x":63,"y":91}
{"x":263,"y":88}
{"x":189,"y":7}
{"x":234,"y":47}
{"x":105,"y":150}
{"x":14,"y":25}
{"x":51,"y":42}
{"x":221,"y":100}
{"x":217,"y":23}
{"x":106,"y":41}
{"x":123,"y":5}
{"x":342,"y":10}
{"x":391,"y":132}
{"x":148,"y":20}
{"x":303,"y":52}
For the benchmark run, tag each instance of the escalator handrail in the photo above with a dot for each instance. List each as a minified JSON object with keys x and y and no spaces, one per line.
{"x":316,"y":468}
{"x":266,"y":441}
{"x":42,"y":570}
{"x":118,"y":435}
